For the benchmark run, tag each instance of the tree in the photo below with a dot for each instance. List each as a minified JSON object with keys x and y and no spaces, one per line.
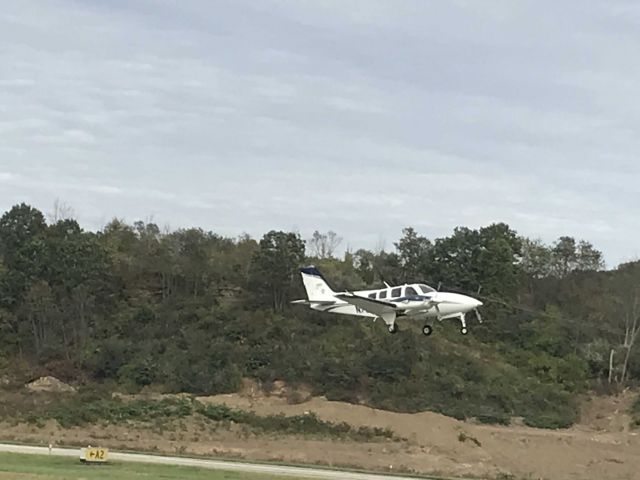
{"x":21,"y":250}
{"x":631,"y":319}
{"x":79,"y":273}
{"x":38,"y":311}
{"x":324,"y":245}
{"x":564,"y":256}
{"x":570,"y":256}
{"x":414,"y":252}
{"x":194,"y":256}
{"x":625,"y":295}
{"x":363,"y":262}
{"x":61,"y":211}
{"x":487,"y":258}
{"x":536,"y":259}
{"x":274,"y":265}
{"x":19,"y":226}
{"x":9,"y":337}
{"x":499,"y":259}
{"x":589,"y":259}
{"x":456,"y":259}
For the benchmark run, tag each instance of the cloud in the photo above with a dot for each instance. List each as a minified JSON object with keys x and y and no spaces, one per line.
{"x":243,"y":116}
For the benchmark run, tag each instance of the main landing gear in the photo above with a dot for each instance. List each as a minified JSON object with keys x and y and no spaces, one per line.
{"x":427,"y":329}
{"x":463,"y":321}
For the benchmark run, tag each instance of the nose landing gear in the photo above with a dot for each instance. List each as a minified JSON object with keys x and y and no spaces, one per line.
{"x":427,"y":330}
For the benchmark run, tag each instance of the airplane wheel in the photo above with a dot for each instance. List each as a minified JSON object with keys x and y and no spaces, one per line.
{"x":464,"y":331}
{"x":393,"y":328}
{"x":427,"y":330}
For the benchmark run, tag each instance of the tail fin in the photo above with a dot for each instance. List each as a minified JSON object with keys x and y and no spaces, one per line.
{"x":318,"y":290}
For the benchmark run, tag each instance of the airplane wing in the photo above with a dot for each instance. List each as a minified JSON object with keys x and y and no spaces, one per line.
{"x":384,"y":310}
{"x":317,"y":302}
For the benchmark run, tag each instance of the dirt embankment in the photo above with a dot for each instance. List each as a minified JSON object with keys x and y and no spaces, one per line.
{"x":600,"y":447}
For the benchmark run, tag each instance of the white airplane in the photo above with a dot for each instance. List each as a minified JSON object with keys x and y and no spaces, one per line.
{"x":413,"y":301}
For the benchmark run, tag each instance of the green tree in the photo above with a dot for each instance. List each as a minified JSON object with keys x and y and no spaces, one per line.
{"x":625,"y":314}
{"x":275,"y":264}
{"x":414,"y":252}
{"x":589,"y":259}
{"x":570,"y":256}
{"x":487,"y":258}
{"x":21,"y":250}
{"x":536,"y":261}
{"x":39,"y":314}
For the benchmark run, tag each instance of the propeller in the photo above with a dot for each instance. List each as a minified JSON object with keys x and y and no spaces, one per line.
{"x":505,"y":303}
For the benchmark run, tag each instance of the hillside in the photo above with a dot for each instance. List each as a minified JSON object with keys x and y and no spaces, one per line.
{"x":131,"y":307}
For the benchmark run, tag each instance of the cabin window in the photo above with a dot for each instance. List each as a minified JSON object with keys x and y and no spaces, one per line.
{"x":410,"y":291}
{"x":396,"y":292}
{"x":426,"y":289}
{"x":383,"y":294}
{"x":372,"y":295}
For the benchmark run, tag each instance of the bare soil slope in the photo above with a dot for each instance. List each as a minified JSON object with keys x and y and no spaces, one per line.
{"x":600,"y":447}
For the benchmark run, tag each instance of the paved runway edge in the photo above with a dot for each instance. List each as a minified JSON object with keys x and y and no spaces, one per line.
{"x":282,"y":470}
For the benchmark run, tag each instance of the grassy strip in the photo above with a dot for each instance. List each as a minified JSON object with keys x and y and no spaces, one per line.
{"x":308,"y":424}
{"x":36,"y":467}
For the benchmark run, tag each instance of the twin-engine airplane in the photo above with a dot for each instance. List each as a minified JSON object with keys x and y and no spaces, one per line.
{"x":416,"y":301}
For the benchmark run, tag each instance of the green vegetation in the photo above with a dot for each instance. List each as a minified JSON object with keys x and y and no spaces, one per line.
{"x":34,"y":467}
{"x":70,"y":411}
{"x":79,"y":411}
{"x":191,"y":311}
{"x":308,"y":424}
{"x":635,"y":413}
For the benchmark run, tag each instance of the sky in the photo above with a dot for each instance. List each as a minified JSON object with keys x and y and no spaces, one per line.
{"x":361,"y":116}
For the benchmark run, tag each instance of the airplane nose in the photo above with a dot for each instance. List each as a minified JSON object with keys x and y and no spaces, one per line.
{"x":472,"y":302}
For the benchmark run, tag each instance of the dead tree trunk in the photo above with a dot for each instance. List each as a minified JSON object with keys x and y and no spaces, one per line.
{"x":631,"y":332}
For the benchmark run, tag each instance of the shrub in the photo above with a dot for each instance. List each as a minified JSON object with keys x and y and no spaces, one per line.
{"x":635,"y":413}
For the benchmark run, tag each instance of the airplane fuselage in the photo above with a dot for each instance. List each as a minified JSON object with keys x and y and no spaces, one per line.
{"x":390,"y":303}
{"x":449,"y":304}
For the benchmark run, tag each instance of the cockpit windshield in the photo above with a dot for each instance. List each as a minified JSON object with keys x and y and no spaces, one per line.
{"x":426,"y":288}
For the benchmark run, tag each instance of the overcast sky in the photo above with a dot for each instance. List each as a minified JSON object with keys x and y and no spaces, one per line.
{"x":358,"y":116}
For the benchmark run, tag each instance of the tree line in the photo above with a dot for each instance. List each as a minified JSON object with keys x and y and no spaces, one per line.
{"x":189,"y":310}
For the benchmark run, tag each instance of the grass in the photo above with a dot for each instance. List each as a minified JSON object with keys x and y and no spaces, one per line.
{"x":42,"y":467}
{"x":308,"y":424}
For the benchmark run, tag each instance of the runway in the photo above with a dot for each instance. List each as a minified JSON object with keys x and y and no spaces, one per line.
{"x":281,"y":470}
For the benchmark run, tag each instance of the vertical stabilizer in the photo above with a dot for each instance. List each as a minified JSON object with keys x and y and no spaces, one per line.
{"x":317,"y":288}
